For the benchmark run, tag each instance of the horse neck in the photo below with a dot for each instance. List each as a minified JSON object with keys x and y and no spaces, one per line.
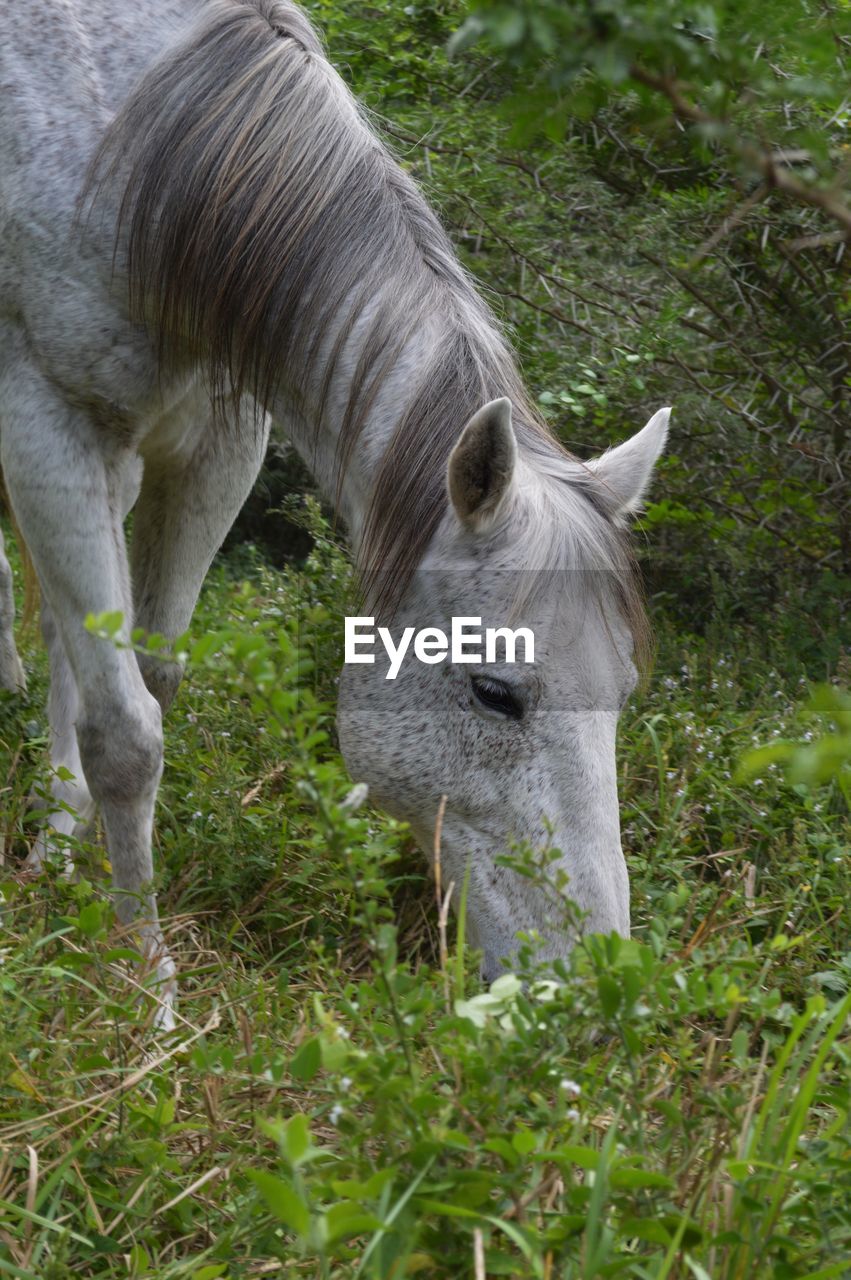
{"x":315,"y":431}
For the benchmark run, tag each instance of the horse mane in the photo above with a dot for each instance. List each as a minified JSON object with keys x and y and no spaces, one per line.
{"x":262,"y":219}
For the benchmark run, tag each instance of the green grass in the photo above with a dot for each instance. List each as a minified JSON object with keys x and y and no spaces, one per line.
{"x":338,"y":1102}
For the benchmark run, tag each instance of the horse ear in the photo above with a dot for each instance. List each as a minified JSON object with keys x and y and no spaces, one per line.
{"x":624,"y":472}
{"x":482,"y":463}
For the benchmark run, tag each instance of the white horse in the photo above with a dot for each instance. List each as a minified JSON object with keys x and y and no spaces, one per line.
{"x":200,"y":232}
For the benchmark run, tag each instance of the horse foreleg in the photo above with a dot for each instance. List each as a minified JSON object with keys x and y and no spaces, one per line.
{"x":66,"y":498}
{"x":71,"y":808}
{"x":11,"y":672}
{"x":192,"y":491}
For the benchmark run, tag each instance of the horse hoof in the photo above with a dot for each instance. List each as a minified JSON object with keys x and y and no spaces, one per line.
{"x":164,"y":990}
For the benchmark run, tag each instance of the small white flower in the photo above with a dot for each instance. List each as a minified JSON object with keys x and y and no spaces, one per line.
{"x":572,"y":1115}
{"x":345,"y":1083}
{"x":335,"y":1113}
{"x":571,"y":1088}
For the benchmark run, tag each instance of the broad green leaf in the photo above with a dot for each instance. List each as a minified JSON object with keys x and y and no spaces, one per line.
{"x":282,"y":1200}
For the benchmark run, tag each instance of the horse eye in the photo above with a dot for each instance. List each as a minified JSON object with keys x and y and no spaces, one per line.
{"x":497,"y":696}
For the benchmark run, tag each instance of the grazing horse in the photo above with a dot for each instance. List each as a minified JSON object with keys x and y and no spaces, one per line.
{"x":201,"y":234}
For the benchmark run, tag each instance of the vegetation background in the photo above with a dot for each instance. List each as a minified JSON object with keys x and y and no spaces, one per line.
{"x":655,"y":198}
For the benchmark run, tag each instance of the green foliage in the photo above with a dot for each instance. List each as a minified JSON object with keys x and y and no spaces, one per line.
{"x":813,"y":763}
{"x":741,"y":61}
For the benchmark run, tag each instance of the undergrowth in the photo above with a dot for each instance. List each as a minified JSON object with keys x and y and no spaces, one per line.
{"x":342,"y":1098}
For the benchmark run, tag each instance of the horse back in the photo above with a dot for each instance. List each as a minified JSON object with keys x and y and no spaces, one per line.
{"x":66,"y":66}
